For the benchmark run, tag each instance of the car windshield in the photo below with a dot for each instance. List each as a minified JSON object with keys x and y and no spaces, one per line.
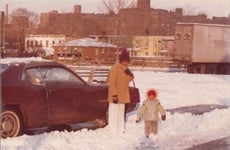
{"x":3,"y":67}
{"x":51,"y":74}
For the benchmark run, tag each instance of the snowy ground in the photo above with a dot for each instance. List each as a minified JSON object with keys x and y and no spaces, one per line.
{"x":179,"y":131}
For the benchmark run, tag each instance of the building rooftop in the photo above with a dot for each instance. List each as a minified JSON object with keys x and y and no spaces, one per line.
{"x":87,"y":42}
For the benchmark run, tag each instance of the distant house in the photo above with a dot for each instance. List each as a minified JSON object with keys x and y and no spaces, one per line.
{"x":85,"y":49}
{"x":154,"y":45}
{"x":45,"y":42}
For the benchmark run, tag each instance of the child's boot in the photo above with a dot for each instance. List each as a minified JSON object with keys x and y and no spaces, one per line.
{"x":156,"y":140}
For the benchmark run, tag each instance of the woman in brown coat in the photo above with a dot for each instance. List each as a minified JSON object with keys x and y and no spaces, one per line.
{"x":118,"y":95}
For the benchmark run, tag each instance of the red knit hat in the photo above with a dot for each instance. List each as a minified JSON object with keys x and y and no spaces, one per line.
{"x":152,"y":92}
{"x":124,"y":55}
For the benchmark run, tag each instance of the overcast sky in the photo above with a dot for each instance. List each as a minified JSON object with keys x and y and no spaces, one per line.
{"x":210,"y":7}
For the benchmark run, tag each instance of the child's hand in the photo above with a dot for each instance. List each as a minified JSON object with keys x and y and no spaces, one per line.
{"x":163,"y":117}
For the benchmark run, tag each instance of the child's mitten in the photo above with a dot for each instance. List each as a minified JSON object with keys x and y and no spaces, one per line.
{"x":163,"y":117}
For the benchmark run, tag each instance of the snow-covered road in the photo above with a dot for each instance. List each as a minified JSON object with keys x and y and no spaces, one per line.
{"x":179,"y":131}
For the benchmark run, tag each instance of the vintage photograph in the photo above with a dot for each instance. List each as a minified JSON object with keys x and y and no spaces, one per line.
{"x":115,"y":74}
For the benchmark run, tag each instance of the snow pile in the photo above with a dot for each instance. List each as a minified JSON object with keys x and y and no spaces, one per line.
{"x":179,"y":131}
{"x":182,"y":89}
{"x":20,"y":60}
{"x":87,"y":42}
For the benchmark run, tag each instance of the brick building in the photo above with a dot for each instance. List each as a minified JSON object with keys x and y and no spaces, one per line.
{"x":15,"y":33}
{"x":141,"y":20}
{"x":86,"y":49}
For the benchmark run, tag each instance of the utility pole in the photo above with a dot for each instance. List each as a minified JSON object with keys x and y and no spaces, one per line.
{"x":2,"y":31}
{"x":21,"y":39}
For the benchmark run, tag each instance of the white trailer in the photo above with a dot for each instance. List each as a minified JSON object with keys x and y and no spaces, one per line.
{"x":204,"y":48}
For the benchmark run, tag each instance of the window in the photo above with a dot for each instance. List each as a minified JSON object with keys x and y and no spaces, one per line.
{"x":102,"y":51}
{"x":27,"y":43}
{"x":3,"y":67}
{"x":36,"y":43}
{"x":31,"y":44}
{"x":187,"y":36}
{"x":97,"y":52}
{"x":32,"y":76}
{"x":46,"y":74}
{"x":59,"y":74}
{"x":178,"y":36}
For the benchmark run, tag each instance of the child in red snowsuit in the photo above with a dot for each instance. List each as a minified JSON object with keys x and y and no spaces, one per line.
{"x":150,"y":111}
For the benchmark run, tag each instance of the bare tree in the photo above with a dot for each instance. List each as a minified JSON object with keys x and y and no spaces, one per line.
{"x":202,"y":13}
{"x":189,"y":10}
{"x":33,"y":17}
{"x":115,"y":5}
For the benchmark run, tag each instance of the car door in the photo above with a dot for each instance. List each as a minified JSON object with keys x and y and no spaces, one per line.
{"x":65,"y":95}
{"x":32,"y":94}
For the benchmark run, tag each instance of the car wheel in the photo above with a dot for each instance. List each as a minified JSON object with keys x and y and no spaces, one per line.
{"x":11,"y":125}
